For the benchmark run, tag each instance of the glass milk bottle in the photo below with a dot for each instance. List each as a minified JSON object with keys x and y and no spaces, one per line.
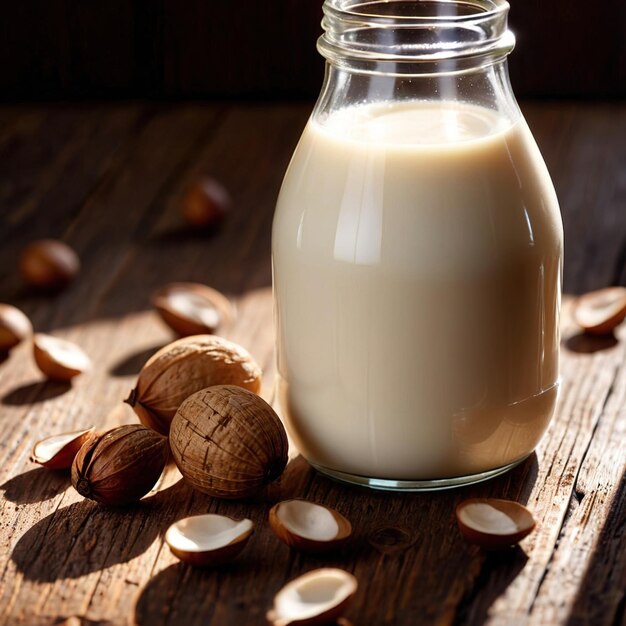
{"x":417,"y":250}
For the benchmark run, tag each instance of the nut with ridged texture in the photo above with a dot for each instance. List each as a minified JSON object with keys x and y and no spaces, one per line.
{"x":185,"y":366}
{"x":120,"y":466}
{"x":228,"y":442}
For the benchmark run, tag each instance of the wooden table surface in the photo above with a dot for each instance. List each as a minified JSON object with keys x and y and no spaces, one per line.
{"x":108,"y":180}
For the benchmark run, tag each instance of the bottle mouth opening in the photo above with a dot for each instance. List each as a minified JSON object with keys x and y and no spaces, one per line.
{"x":419,"y":11}
{"x":438,"y":35}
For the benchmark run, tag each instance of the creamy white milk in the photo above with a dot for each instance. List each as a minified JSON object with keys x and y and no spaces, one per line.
{"x":417,"y":252}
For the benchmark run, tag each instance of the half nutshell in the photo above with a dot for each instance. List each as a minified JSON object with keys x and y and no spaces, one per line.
{"x":192,"y":308}
{"x":307,"y":526}
{"x":120,"y":466}
{"x":59,"y":451}
{"x":492,"y":523}
{"x":49,"y":264}
{"x":205,"y":203}
{"x":317,"y":597}
{"x":228,"y":442}
{"x":14,"y":327}
{"x":208,"y":540}
{"x":184,"y":367}
{"x":59,"y":359}
{"x":599,"y":312}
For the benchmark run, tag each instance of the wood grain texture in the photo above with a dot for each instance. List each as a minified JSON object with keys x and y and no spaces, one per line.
{"x":109,"y":182}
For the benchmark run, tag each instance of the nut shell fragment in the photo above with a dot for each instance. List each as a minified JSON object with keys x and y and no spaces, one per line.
{"x":48,"y":264}
{"x":14,"y":327}
{"x":59,"y":359}
{"x":492,"y":523}
{"x":228,"y":442}
{"x":184,"y":367}
{"x":59,"y":451}
{"x":205,"y":203}
{"x":192,"y":308}
{"x":208,"y":540}
{"x":599,"y":312}
{"x":308,"y":526}
{"x":120,"y":466}
{"x":317,"y":597}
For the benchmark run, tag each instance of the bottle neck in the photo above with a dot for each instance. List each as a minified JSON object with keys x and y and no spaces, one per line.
{"x":415,"y":37}
{"x":426,"y":50}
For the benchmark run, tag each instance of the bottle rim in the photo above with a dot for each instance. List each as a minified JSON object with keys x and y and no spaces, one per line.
{"x":415,"y":36}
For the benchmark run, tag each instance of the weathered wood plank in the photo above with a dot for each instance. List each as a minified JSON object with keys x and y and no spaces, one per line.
{"x":65,"y":556}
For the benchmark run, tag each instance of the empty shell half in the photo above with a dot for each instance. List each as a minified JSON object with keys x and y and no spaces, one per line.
{"x":58,"y":451}
{"x":492,"y":523}
{"x":192,"y":308}
{"x":317,"y":597}
{"x":206,"y":540}
{"x":59,"y":359}
{"x":599,"y":312}
{"x":308,"y":526}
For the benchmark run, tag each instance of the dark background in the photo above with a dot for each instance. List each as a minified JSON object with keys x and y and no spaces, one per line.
{"x":173,"y":49}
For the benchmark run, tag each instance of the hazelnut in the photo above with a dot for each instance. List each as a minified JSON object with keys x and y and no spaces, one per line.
{"x":599,"y":312}
{"x":317,"y":597}
{"x":14,"y":327}
{"x":184,"y":367}
{"x":205,"y":203}
{"x":48,"y":264}
{"x":208,"y":540}
{"x":228,"y":442}
{"x":59,"y":451}
{"x":120,"y":466}
{"x":192,"y":308}
{"x":59,"y":359}
{"x":492,"y":523}
{"x":308,"y":526}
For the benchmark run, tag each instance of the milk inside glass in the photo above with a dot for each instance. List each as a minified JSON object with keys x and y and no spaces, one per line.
{"x":416,"y":252}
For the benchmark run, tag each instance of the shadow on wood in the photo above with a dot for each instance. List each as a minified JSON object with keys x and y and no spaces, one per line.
{"x":32,"y":393}
{"x":85,"y":537}
{"x":181,"y":594}
{"x":584,"y":343}
{"x":132,"y":364}
{"x":36,"y":485}
{"x":602,"y":594}
{"x":498,"y":571}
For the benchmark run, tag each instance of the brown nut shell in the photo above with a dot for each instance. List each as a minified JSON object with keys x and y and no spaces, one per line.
{"x":228,"y":442}
{"x":14,"y":327}
{"x":184,"y":367}
{"x":59,"y":359}
{"x":492,"y":523}
{"x":59,"y":451}
{"x":205,"y":203}
{"x":208,"y":540}
{"x":308,"y":526}
{"x":318,"y":597}
{"x":600,"y":312}
{"x":49,"y":264}
{"x":192,"y":309}
{"x":120,"y":466}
